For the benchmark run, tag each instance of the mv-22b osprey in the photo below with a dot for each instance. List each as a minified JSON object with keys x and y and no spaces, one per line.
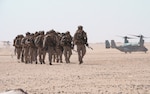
{"x":128,"y":47}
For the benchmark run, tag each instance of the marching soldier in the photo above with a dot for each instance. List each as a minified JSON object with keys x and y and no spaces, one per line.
{"x":66,"y":41}
{"x":49,"y":43}
{"x":80,"y":39}
{"x":39,"y":44}
{"x":18,"y":46}
{"x":32,"y":49}
{"x":25,"y":44}
{"x":59,"y":49}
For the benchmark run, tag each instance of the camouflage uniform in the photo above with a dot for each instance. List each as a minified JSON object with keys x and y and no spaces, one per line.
{"x":32,"y":49}
{"x":66,"y":41}
{"x":39,"y":44}
{"x":80,"y":39}
{"x":49,"y":43}
{"x":59,"y":49}
{"x":25,"y":44}
{"x":18,"y":46}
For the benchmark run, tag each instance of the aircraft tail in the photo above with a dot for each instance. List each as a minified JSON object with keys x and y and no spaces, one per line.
{"x":113,"y":44}
{"x":107,"y":44}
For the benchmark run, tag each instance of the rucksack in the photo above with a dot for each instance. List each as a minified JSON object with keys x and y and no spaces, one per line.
{"x":31,"y":42}
{"x":39,"y":41}
{"x":66,"y":41}
{"x":23,"y":41}
{"x":50,"y":40}
{"x":18,"y":42}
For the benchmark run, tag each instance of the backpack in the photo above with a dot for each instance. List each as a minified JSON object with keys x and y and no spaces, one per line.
{"x":50,"y":40}
{"x":23,"y":41}
{"x":31,"y":42}
{"x":66,"y":41}
{"x":38,"y":41}
{"x":18,"y":42}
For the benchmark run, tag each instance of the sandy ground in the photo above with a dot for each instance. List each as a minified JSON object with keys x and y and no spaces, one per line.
{"x":104,"y":71}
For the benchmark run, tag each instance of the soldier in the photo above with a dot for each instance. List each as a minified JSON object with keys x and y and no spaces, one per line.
{"x":14,"y":44}
{"x":49,"y":43}
{"x":66,"y":41}
{"x":25,"y":44}
{"x":32,"y":49}
{"x":59,"y":48}
{"x":18,"y":46}
{"x":39,"y":44}
{"x":80,"y":39}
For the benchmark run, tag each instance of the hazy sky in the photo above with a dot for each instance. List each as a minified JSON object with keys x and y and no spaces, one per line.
{"x":101,"y":19}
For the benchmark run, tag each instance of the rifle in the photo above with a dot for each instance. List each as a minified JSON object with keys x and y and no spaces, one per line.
{"x":87,"y":45}
{"x":90,"y":47}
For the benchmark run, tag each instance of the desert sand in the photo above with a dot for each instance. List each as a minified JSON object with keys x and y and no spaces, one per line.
{"x":104,"y":71}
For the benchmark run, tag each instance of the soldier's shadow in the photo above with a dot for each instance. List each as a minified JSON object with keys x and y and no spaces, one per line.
{"x":72,"y":63}
{"x":89,"y":64}
{"x":77,"y":63}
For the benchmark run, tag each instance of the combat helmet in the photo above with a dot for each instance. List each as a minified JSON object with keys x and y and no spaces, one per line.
{"x":80,"y":27}
{"x":28,"y":33}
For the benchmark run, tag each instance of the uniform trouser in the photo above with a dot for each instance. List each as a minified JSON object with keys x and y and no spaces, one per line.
{"x":22,"y":55}
{"x":67,"y":53}
{"x":26,"y":54}
{"x":81,"y":49}
{"x":51,"y":51}
{"x":19,"y":52}
{"x":54,"y":57}
{"x":33,"y":54}
{"x":42,"y":53}
{"x":59,"y":54}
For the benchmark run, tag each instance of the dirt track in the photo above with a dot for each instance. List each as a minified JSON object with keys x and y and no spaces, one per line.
{"x":104,"y":71}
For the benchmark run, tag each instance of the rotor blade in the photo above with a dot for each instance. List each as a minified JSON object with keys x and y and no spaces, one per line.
{"x":125,"y":37}
{"x":130,"y":38}
{"x":134,"y":35}
{"x":146,"y":37}
{"x":139,"y":36}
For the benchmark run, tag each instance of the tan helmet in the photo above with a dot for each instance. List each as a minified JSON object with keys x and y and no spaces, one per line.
{"x":52,"y":31}
{"x":67,"y":32}
{"x":42,"y":32}
{"x":80,"y":27}
{"x":28,"y":33}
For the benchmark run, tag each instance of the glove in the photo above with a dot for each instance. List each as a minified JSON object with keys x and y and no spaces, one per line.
{"x":87,"y":44}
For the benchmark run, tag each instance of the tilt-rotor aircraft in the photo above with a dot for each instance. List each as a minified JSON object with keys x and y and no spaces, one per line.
{"x":127,"y":46}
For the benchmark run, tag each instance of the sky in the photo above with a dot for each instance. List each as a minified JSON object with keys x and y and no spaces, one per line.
{"x":101,"y":19}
